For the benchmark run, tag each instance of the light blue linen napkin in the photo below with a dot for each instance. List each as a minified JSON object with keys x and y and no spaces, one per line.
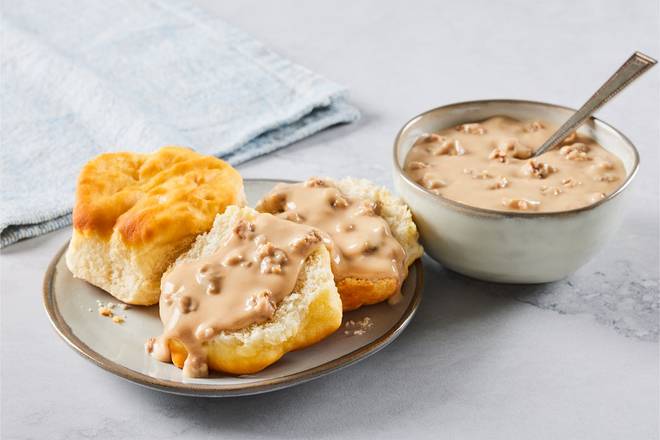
{"x":82,"y":78}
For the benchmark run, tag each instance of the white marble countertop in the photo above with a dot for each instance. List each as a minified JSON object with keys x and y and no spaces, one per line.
{"x":573,"y":359}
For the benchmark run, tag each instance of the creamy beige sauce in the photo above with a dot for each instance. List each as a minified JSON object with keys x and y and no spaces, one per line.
{"x":488,"y":165}
{"x":360,"y":241}
{"x":239,"y":285}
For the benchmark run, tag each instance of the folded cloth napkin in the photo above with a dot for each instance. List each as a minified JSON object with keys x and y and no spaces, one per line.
{"x":82,"y":78}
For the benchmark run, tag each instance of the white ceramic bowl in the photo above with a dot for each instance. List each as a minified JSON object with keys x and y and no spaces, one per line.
{"x":510,"y":247}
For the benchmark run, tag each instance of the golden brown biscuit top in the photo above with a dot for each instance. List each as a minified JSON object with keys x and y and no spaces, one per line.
{"x":154,"y":198}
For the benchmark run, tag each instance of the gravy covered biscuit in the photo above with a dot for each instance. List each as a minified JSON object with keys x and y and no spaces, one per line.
{"x":134,"y":214}
{"x":370,"y":233}
{"x":253,"y":288}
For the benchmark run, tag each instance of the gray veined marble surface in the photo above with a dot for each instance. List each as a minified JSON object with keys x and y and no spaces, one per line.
{"x":625,"y":299}
{"x":573,"y":359}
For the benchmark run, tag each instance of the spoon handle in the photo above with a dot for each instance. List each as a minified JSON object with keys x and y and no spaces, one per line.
{"x":637,"y":64}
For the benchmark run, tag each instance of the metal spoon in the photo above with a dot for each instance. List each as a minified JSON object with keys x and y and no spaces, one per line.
{"x":637,"y":64}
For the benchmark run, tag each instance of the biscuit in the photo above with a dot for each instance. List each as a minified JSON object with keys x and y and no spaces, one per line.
{"x":357,"y":291}
{"x":135,"y":213}
{"x":311,"y":312}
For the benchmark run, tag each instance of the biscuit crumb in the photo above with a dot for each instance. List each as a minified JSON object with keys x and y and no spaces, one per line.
{"x":106,"y":310}
{"x":358,"y":328}
{"x":149,"y":345}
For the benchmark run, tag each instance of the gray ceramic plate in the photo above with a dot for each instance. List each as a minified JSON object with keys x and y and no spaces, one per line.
{"x":119,"y":348}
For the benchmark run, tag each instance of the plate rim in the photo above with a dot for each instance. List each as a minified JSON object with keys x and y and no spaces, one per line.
{"x":209,"y":390}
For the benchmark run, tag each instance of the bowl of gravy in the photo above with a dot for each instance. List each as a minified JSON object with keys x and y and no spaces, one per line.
{"x":487,"y":209}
